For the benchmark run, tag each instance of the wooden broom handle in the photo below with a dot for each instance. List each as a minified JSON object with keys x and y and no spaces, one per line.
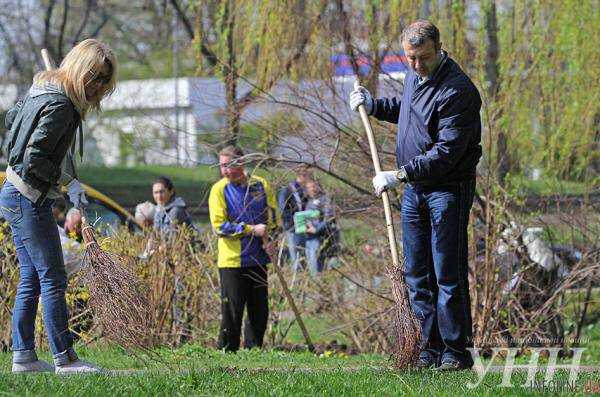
{"x":48,"y":64}
{"x":389,"y":222}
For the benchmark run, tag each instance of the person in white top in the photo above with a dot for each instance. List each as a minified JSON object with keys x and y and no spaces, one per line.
{"x":71,"y":248}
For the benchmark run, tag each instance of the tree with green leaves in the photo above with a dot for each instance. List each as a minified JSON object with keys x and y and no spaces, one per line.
{"x":260,"y":42}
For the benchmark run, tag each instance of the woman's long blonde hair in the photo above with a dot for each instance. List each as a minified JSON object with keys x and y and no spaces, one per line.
{"x":82,"y":63}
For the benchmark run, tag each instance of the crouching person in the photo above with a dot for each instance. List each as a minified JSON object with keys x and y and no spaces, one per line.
{"x":42,"y":130}
{"x":242,"y":213}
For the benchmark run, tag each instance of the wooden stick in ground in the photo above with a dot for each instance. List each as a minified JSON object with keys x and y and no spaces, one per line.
{"x":406,"y":325}
{"x":289,"y":297}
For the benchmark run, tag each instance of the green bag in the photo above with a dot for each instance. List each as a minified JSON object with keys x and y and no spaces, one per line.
{"x":301,"y":218}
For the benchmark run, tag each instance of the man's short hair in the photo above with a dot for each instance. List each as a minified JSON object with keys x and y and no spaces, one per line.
{"x":231,"y":151}
{"x":418,"y":32}
{"x":60,"y":204}
{"x":304,"y":170}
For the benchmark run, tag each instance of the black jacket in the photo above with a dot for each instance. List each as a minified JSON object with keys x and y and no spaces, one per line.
{"x":439,"y":128}
{"x":291,"y":199}
{"x":42,"y":128}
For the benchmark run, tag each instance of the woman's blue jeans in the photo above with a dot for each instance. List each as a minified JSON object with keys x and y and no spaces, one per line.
{"x":313,"y":255}
{"x":41,"y":273}
{"x":434,"y":237}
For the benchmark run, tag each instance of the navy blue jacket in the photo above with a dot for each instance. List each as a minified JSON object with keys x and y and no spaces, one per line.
{"x":291,"y":199}
{"x":439,"y":128}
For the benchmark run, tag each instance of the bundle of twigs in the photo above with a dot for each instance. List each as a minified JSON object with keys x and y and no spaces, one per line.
{"x":118,"y":298}
{"x":405,"y":324}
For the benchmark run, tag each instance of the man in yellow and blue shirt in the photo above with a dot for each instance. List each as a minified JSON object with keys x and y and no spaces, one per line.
{"x":242,"y":213}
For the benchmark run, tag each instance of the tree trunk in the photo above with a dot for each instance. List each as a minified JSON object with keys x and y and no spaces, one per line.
{"x":230,"y":72}
{"x":502,"y":160}
{"x":372,"y":78}
{"x":347,"y":37}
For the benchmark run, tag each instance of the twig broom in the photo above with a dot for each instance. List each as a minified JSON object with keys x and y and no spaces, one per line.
{"x":118,"y":299}
{"x":407,"y":327}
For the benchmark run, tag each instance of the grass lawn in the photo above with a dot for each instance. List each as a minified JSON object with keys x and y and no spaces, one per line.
{"x":550,"y":186}
{"x":131,"y":185}
{"x":195,"y":370}
{"x":321,"y":329}
{"x":192,"y":370}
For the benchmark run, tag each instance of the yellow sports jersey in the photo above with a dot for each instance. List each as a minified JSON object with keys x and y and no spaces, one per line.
{"x":233,"y":208}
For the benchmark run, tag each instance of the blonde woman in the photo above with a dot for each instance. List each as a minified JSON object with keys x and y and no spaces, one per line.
{"x":41,"y":144}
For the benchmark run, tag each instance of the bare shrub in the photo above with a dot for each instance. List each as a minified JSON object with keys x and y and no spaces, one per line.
{"x":355,"y":298}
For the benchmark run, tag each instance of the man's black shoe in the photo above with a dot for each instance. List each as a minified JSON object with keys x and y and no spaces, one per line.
{"x":452,"y":365}
{"x":425,"y":363}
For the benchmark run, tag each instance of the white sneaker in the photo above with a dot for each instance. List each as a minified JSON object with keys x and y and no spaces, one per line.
{"x":76,"y":367}
{"x":34,"y":366}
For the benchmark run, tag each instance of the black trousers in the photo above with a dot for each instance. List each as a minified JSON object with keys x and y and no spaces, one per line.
{"x":243,"y":287}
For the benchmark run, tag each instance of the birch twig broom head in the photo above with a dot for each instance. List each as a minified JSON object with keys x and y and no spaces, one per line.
{"x":406,"y":325}
{"x":118,"y":298}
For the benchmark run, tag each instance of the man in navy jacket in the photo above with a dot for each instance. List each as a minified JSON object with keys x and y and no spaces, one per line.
{"x":437,"y":151}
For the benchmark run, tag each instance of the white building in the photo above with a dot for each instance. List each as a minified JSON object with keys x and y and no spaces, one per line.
{"x":145,"y":121}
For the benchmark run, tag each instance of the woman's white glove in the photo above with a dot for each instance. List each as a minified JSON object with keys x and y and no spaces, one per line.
{"x":386,"y":180}
{"x":77,"y":194}
{"x":361,"y":96}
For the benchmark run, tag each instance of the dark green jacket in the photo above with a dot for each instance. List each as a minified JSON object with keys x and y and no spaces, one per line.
{"x":42,"y":128}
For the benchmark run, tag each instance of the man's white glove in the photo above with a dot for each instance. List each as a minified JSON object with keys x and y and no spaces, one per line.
{"x":386,"y":180}
{"x":361,"y":96}
{"x":77,"y":194}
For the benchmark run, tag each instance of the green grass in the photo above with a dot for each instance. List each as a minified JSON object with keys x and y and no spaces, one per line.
{"x":196,"y":370}
{"x":192,"y":370}
{"x":320,"y":331}
{"x":548,"y":186}
{"x":590,"y":335}
{"x":131,"y":185}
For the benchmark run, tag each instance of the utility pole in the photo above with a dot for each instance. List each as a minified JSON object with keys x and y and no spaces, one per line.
{"x":176,"y":80}
{"x":179,"y":326}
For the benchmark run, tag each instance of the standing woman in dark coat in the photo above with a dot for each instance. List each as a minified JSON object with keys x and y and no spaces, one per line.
{"x":41,"y":145}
